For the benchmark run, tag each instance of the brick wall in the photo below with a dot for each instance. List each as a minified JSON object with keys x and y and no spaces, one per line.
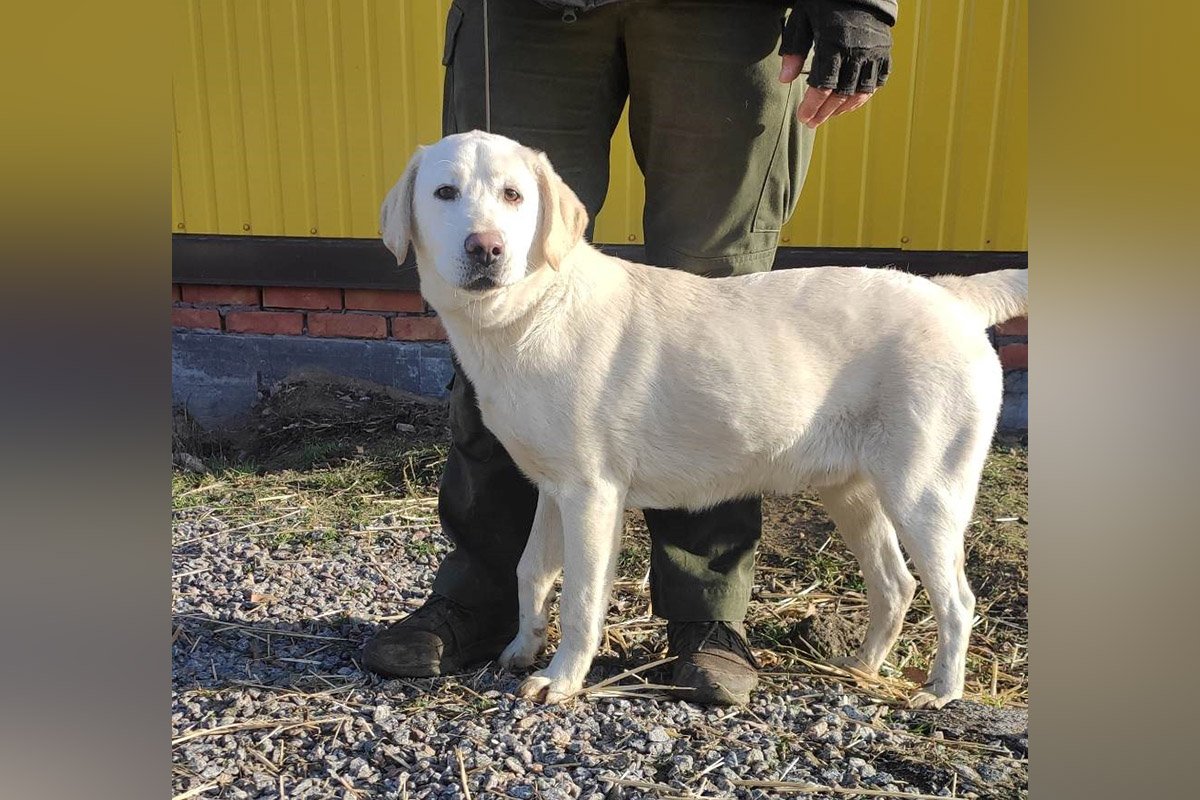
{"x":385,"y":314}
{"x":291,"y":311}
{"x":1012,"y":340}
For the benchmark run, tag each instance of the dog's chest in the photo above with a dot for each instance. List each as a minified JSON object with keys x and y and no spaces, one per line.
{"x":522,"y":426}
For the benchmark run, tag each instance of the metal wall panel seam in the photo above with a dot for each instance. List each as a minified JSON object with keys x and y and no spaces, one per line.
{"x":306,"y":132}
{"x":270,"y":117}
{"x":236,"y":117}
{"x":207,"y":163}
{"x":914,"y":58}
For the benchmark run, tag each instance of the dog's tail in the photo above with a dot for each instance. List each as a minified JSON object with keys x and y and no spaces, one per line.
{"x":994,"y":296}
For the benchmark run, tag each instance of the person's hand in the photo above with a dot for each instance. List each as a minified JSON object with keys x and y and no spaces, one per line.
{"x":819,"y":105}
{"x":852,"y":57}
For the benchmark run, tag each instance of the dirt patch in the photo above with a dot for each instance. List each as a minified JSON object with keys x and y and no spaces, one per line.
{"x":825,"y":636}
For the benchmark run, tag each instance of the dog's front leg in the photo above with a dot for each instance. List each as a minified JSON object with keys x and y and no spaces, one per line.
{"x":539,"y":567}
{"x":592,"y":521}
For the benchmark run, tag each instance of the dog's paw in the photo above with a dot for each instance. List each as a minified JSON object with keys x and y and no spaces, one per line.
{"x":852,"y":664}
{"x":933,"y":696}
{"x":522,"y":651}
{"x":542,"y":688}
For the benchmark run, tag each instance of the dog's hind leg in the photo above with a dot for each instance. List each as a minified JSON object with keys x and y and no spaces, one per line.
{"x":592,"y":522}
{"x":540,"y":564}
{"x":930,"y":500}
{"x":856,"y":511}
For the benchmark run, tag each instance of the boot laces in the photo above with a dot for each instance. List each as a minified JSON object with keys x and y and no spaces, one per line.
{"x":689,"y":637}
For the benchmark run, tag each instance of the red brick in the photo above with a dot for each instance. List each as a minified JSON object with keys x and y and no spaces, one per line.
{"x":293,"y":297}
{"x":1014,"y":327}
{"x":221,"y":295}
{"x":1015,"y":356}
{"x":384,"y":300}
{"x":416,"y":329}
{"x":283,"y":322}
{"x":176,"y":292}
{"x":196,"y":318}
{"x":352,"y":326}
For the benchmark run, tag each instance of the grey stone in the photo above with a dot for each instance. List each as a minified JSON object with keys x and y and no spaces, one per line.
{"x":659,"y":734}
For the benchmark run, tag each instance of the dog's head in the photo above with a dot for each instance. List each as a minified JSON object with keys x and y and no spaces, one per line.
{"x":482,"y":212}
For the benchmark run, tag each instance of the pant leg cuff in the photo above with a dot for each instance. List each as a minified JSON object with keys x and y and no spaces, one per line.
{"x":704,"y":606}
{"x":472,"y":593}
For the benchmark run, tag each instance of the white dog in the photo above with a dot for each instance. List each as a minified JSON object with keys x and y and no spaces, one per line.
{"x":614,"y":384}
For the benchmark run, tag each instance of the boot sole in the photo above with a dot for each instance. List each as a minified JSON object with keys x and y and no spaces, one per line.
{"x":710,"y":696}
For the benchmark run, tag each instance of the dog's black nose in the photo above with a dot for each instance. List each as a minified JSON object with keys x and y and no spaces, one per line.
{"x":484,"y":248}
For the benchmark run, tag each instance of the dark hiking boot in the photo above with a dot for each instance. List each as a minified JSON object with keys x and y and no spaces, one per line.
{"x":713,"y":663}
{"x":439,"y":638}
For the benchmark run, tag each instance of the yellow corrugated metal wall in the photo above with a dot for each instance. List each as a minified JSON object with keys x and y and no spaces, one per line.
{"x":293,"y":117}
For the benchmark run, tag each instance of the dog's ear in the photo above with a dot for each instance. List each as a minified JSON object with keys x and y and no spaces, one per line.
{"x":563,"y":216}
{"x":396,"y":214}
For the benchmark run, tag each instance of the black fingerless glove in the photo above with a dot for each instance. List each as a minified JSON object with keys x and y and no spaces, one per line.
{"x":853,"y":42}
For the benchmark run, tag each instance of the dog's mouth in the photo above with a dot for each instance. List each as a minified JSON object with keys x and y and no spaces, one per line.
{"x":481,"y":284}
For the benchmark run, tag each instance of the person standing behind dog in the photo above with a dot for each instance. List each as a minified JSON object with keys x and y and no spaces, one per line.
{"x":723,"y":139}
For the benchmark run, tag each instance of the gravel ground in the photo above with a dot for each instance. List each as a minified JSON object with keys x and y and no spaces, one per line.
{"x":269,"y":700}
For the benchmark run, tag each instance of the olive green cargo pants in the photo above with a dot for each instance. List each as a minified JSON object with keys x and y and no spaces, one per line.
{"x":723,"y":158}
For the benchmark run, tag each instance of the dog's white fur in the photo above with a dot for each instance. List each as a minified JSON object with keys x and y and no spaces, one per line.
{"x":614,"y":384}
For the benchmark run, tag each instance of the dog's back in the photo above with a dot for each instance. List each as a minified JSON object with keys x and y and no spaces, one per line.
{"x":825,"y":364}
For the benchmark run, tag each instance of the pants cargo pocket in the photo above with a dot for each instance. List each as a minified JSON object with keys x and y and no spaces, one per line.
{"x":785,"y":173}
{"x":772,"y":201}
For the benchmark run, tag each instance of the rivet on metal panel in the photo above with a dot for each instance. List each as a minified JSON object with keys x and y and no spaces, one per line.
{"x":904,"y":240}
{"x":313,"y":231}
{"x":633,"y":237}
{"x":179,"y":225}
{"x":786,"y":239}
{"x":245,"y":226}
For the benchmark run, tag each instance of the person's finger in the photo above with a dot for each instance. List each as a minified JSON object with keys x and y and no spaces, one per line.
{"x":825,"y":68}
{"x":832,"y":103}
{"x":811,"y":103}
{"x":848,"y":75}
{"x":868,"y":78}
{"x":790,"y":70}
{"x":854,"y":101}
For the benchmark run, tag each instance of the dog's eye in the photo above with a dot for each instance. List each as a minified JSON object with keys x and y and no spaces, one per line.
{"x":512,"y":195}
{"x":445,"y":193}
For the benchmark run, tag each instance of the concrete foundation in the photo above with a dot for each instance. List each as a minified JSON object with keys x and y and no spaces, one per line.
{"x":217,"y":377}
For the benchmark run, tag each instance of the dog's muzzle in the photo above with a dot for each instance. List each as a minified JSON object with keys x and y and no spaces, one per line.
{"x":484,"y":251}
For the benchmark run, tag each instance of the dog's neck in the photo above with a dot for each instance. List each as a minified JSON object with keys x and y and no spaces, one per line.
{"x":535,"y":320}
